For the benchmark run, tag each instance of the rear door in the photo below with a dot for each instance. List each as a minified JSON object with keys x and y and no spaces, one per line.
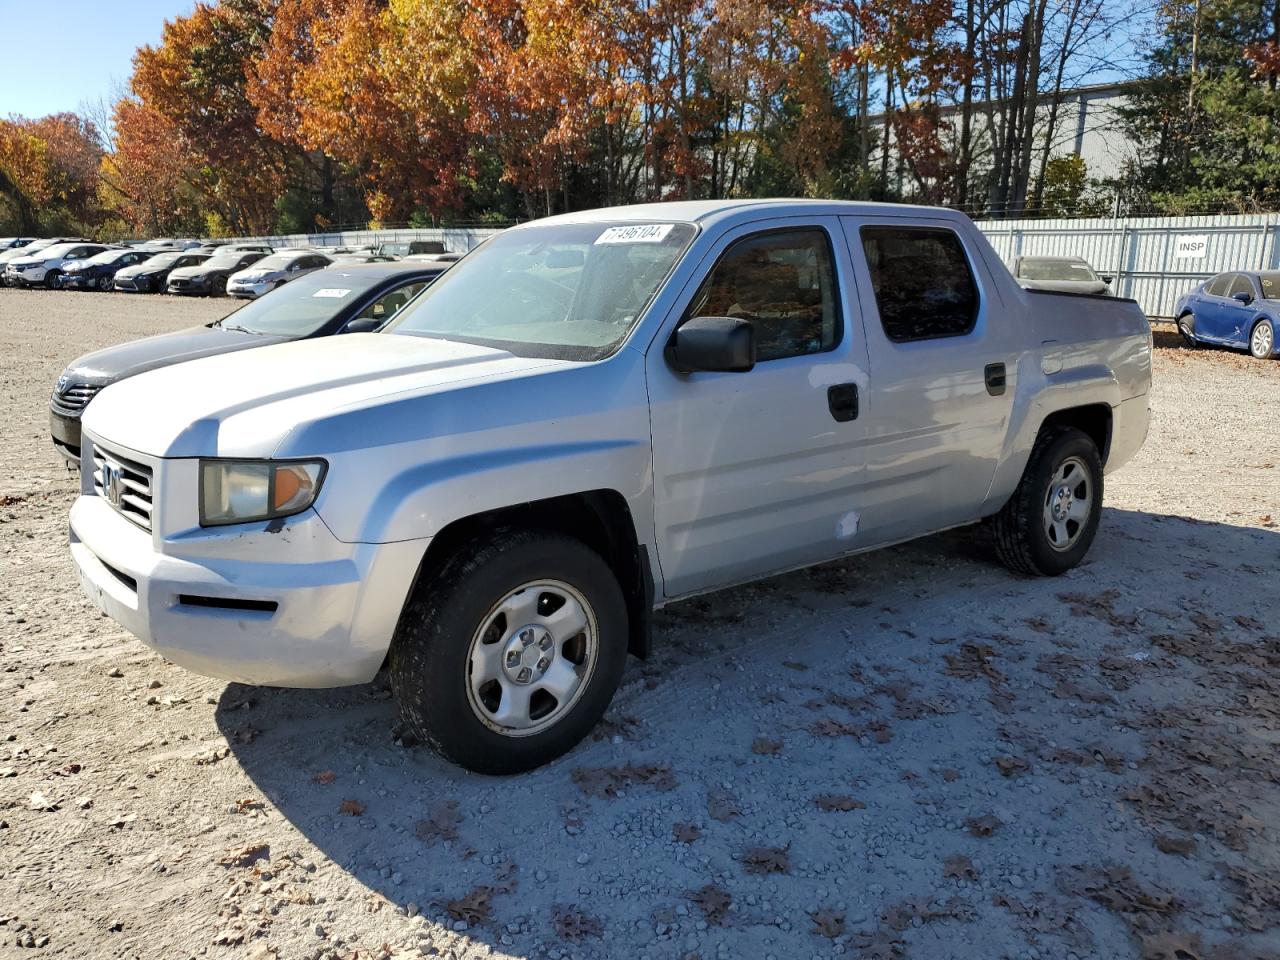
{"x":759,"y":471}
{"x":942,"y":367}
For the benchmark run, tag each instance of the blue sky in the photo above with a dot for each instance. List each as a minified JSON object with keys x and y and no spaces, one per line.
{"x":55,"y":56}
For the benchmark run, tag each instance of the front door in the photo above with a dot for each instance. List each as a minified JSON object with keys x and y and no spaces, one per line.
{"x":943,"y":360}
{"x":760,"y":471}
{"x":1237,"y":316}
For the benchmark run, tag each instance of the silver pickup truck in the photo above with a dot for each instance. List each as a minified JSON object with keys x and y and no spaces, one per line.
{"x":586,"y":418}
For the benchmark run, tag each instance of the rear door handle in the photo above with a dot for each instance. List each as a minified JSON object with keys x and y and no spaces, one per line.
{"x":993,"y":373}
{"x":843,"y":401}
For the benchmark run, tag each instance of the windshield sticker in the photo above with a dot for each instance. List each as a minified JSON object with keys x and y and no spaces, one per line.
{"x":334,"y":292}
{"x":639,"y":233}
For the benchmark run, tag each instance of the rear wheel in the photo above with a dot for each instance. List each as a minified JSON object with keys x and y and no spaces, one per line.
{"x":104,"y":283}
{"x":51,"y":279}
{"x":508,"y":656}
{"x":1186,"y":325}
{"x":1049,"y":523}
{"x":1262,"y":341}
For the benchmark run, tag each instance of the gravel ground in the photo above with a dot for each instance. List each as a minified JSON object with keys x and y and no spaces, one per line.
{"x":910,"y":754}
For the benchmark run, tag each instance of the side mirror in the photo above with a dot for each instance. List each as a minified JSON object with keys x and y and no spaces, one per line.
{"x":726,"y":344}
{"x":1242,"y":297}
{"x":1106,"y":278}
{"x":362,"y":325}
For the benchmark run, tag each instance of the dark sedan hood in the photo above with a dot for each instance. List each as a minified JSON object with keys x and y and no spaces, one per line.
{"x":127,"y":359}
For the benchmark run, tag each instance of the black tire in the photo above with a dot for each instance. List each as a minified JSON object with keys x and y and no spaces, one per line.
{"x":51,"y":279}
{"x":105,"y":284}
{"x":218,"y":287}
{"x":1186,"y":326}
{"x":430,"y":655}
{"x":1022,"y":541}
{"x":1261,"y":331}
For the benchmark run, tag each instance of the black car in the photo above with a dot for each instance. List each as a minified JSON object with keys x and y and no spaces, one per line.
{"x":340,"y":299}
{"x":210,"y":278}
{"x":99,"y":271}
{"x":152,"y":275}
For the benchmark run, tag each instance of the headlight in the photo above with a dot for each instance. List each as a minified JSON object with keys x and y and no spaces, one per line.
{"x":242,"y":491}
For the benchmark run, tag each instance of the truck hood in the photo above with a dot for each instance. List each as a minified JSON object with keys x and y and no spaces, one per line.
{"x":138,"y":356}
{"x":245,"y":404}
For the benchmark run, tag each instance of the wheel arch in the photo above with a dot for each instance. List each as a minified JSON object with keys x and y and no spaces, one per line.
{"x":1092,"y":419}
{"x":601,"y":519}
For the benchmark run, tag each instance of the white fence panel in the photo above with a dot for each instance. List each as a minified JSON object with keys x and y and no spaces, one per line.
{"x":1152,"y":259}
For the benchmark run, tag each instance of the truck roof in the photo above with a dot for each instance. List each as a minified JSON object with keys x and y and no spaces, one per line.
{"x":708,"y":211}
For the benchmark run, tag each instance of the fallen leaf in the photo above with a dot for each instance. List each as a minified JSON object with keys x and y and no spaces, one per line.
{"x":762,"y":860}
{"x":1182,"y":846}
{"x":352,"y":808}
{"x":1012,"y":766}
{"x":244,"y":856}
{"x":983,"y":826}
{"x":606,"y":782}
{"x":574,"y":925}
{"x":766,"y":747}
{"x":686,"y":832}
{"x":713,"y":901}
{"x":960,"y":867}
{"x":325,"y":777}
{"x":442,"y":824}
{"x":207,"y":757}
{"x":837,"y":803}
{"x":1172,"y":946}
{"x":828,"y":923}
{"x":722,"y":806}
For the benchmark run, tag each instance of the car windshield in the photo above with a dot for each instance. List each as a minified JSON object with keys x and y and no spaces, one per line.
{"x":57,"y":250}
{"x":224,"y":261}
{"x":164,"y":259}
{"x":1056,"y":270}
{"x":571,"y":291}
{"x":305,"y":305}
{"x":107,"y":256}
{"x":1270,"y":283}
{"x":277,"y":261}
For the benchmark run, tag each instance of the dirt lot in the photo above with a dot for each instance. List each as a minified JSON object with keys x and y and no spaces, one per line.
{"x":911,"y":754}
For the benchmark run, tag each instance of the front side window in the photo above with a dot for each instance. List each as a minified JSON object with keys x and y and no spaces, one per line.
{"x":922,"y":282}
{"x":571,"y":291}
{"x":388,"y":305}
{"x":1217,"y":287}
{"x":784,"y":283}
{"x":1240,"y":284}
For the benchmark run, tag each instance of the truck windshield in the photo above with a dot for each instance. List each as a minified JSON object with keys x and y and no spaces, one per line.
{"x":1056,"y":270}
{"x":570,"y":291}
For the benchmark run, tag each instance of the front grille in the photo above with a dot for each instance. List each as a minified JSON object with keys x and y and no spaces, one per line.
{"x":125,"y":484}
{"x":72,"y":400}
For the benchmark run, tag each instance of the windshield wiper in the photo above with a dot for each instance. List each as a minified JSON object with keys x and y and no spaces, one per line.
{"x":237,"y":328}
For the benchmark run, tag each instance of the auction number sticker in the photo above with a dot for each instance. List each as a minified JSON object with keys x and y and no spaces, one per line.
{"x":336,"y":293}
{"x":636,"y":233}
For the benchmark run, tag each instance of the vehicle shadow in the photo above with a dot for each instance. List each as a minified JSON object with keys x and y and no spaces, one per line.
{"x":822,"y":740}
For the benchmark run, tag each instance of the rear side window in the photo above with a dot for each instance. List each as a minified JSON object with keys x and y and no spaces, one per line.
{"x":1217,"y":287}
{"x":922,"y":282}
{"x":784,"y":283}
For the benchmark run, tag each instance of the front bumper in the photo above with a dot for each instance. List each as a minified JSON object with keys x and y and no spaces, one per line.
{"x":31,"y":277}
{"x":140,"y":284}
{"x":65,"y":432}
{"x":188,"y":285}
{"x":295,"y":607}
{"x":241,"y":288}
{"x":77,"y":281}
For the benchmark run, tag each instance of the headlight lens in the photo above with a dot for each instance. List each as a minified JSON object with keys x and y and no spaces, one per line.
{"x":242,"y":491}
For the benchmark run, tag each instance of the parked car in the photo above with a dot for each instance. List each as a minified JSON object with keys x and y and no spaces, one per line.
{"x":13,"y":253}
{"x":99,"y":271}
{"x":153,"y":275}
{"x":1061,"y":274}
{"x":436,"y":257}
{"x":338,"y":300}
{"x":43,"y":268}
{"x":349,"y":258}
{"x":1239,"y":310}
{"x":587,"y":417}
{"x":209,"y":278}
{"x":10,"y":243}
{"x":163,"y":244}
{"x":402,"y":248}
{"x":275,"y":270}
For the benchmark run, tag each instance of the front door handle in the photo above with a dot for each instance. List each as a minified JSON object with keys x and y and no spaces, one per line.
{"x":993,"y":373}
{"x":843,"y":401}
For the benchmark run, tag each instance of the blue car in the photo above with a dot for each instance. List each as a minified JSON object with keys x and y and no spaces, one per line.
{"x":1240,"y":310}
{"x":99,"y":271}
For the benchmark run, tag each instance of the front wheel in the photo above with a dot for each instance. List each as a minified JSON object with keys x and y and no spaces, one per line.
{"x":105,"y":283}
{"x":1185,"y":331}
{"x":1262,"y":340}
{"x":51,"y":279}
{"x":1049,"y":523}
{"x":218,"y":287}
{"x":508,"y":656}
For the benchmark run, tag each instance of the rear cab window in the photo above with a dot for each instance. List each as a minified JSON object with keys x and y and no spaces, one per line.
{"x":923,"y":283}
